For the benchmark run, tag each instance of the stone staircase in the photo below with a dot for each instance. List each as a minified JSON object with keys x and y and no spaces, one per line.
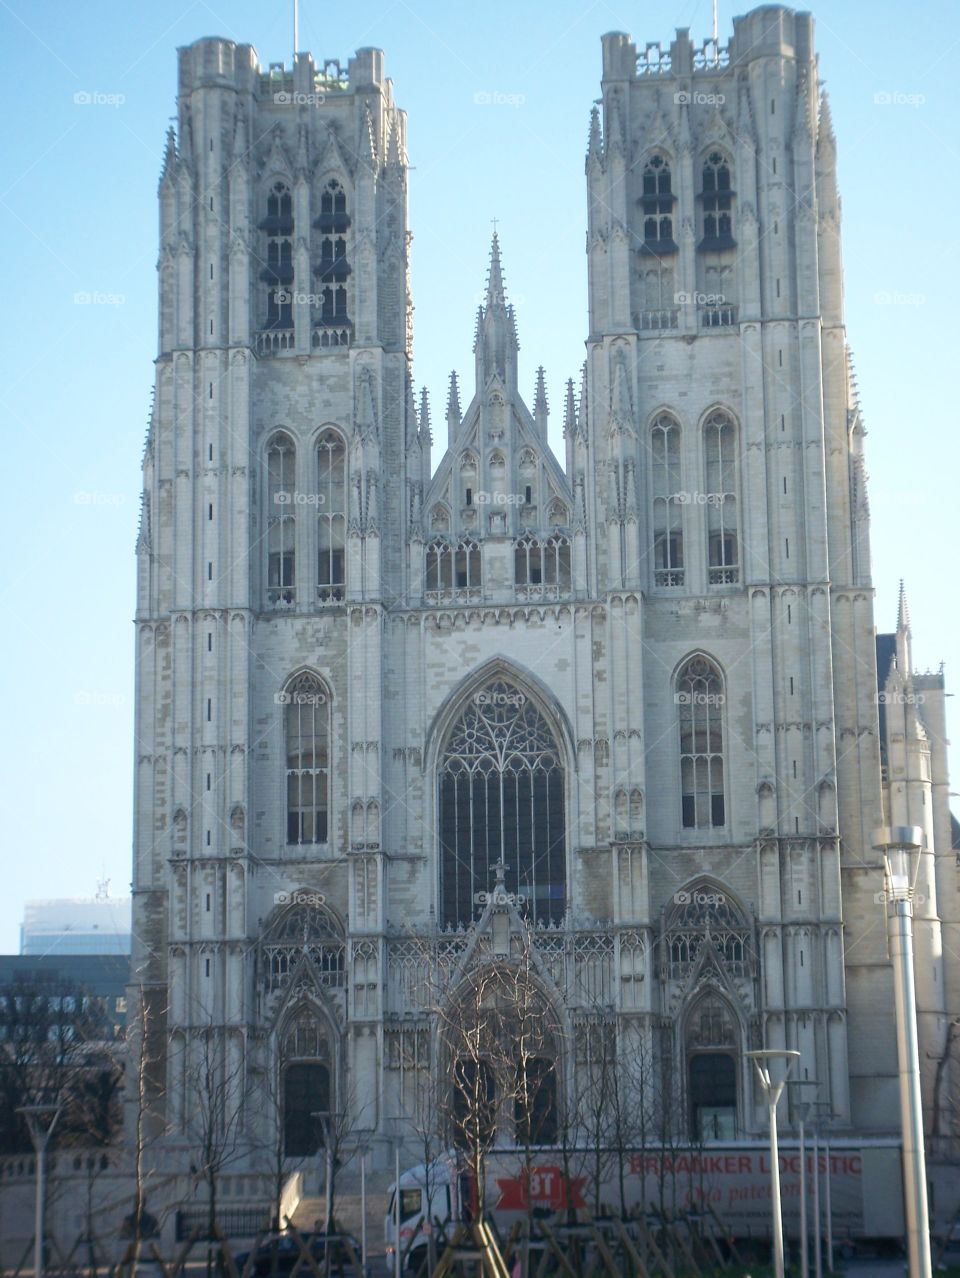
{"x":347,"y":1208}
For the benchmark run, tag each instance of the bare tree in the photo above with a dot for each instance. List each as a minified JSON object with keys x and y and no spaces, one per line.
{"x":145,"y":1089}
{"x":499,"y":1044}
{"x":215,"y":1089}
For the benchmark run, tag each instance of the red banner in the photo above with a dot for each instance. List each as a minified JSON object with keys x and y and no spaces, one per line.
{"x":540,"y":1187}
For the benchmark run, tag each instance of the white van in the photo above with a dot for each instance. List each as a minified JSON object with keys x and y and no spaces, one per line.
{"x":428,"y":1192}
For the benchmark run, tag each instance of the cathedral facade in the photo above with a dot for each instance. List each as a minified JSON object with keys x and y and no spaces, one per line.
{"x":625,"y":702}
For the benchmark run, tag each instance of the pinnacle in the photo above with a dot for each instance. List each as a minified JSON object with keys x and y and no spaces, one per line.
{"x":496,"y":295}
{"x":453,"y":398}
{"x":826,"y":120}
{"x":569,"y":411}
{"x":425,"y":414}
{"x":903,"y":610}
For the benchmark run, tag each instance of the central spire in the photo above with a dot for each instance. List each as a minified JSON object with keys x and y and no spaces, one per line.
{"x":495,"y":290}
{"x":496,"y":345}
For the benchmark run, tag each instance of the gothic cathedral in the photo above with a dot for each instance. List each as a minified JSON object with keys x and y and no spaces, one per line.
{"x":629,"y":700}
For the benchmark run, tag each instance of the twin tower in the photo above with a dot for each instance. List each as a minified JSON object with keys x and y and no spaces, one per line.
{"x":637,"y":688}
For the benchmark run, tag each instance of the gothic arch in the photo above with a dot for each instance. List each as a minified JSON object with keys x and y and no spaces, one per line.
{"x":307,"y":1062}
{"x":712,"y":1037}
{"x":527,"y":682}
{"x":278,"y":434}
{"x":727,"y":412}
{"x":331,"y":173}
{"x":499,"y":760}
{"x":663,"y":410}
{"x":334,"y":428}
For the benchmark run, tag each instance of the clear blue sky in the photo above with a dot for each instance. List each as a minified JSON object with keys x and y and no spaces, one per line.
{"x":78,"y":213}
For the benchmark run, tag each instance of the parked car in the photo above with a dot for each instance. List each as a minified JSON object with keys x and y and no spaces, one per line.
{"x":279,"y":1252}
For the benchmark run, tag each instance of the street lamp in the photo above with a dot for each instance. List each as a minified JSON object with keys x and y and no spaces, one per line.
{"x":901,"y":846}
{"x":364,"y":1150}
{"x":773,"y":1090}
{"x":802,"y":1109}
{"x":40,"y":1120}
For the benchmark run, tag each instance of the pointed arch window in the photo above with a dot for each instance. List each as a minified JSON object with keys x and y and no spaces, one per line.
{"x":656,"y":205}
{"x":331,"y":517}
{"x":667,"y":502}
{"x":277,"y":274}
{"x":704,"y":917}
{"x":439,"y":566}
{"x":543,"y":565}
{"x":281,"y":521}
{"x":720,"y":469}
{"x":502,"y":798}
{"x":454,"y":569}
{"x":700,"y":700}
{"x":467,"y":570}
{"x":332,"y":268}
{"x":307,"y":732}
{"x":717,"y":197}
{"x":304,"y":929}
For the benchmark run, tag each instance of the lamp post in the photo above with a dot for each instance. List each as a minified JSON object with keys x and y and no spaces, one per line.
{"x":901,"y":846}
{"x":363,"y":1209}
{"x":397,"y":1140}
{"x":40,"y":1120}
{"x":827,"y":1199}
{"x":802,"y":1109}
{"x":773,"y":1090}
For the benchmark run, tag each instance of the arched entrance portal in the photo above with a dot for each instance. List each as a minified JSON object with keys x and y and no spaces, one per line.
{"x":711,"y":1044}
{"x":305,"y":1070}
{"x":712,"y":1092}
{"x":306,"y":1093}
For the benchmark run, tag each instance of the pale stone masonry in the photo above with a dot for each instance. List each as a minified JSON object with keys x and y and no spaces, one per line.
{"x":645,"y":678}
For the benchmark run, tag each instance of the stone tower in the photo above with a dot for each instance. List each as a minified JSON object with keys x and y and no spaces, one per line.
{"x":281,"y":446}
